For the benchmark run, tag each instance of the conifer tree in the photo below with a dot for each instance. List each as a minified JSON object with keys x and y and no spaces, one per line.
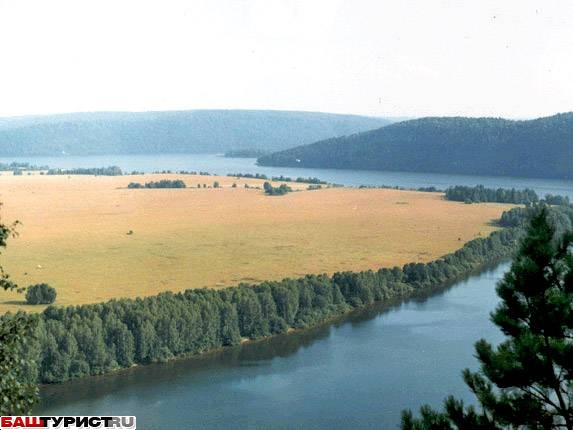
{"x":526,"y":382}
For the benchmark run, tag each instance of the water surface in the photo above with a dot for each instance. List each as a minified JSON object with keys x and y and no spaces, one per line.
{"x":358,"y":373}
{"x":214,"y":163}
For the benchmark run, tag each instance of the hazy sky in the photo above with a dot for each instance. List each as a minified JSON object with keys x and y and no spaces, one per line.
{"x":386,"y":58}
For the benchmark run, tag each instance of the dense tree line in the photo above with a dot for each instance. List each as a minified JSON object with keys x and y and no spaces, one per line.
{"x":431,"y":189}
{"x":556,"y":200}
{"x":281,"y":178}
{"x":249,"y":175}
{"x":164,"y":183}
{"x":480,"y":194}
{"x":83,"y":340}
{"x":301,"y":180}
{"x":479,"y":146}
{"x":97,"y":171}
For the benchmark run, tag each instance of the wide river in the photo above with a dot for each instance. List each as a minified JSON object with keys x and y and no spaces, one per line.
{"x":213,"y":163}
{"x":359,"y":372}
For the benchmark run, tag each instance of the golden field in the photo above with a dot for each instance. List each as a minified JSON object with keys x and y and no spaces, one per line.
{"x":74,"y":233}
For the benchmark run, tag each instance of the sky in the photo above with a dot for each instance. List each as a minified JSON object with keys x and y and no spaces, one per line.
{"x":507,"y":58}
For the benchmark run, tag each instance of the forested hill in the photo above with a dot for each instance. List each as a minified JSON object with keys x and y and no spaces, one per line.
{"x":184,"y":131}
{"x":540,"y":148}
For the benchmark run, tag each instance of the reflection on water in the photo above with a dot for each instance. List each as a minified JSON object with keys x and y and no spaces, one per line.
{"x":359,"y":371}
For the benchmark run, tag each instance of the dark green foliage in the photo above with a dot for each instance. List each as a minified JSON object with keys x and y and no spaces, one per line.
{"x":480,"y":194}
{"x":480,"y":146}
{"x":527,"y":380}
{"x":17,"y":370}
{"x":281,"y":190}
{"x":40,"y":294}
{"x":17,"y":392}
{"x":550,"y":199}
{"x":97,"y":171}
{"x":164,"y":183}
{"x":198,"y":131}
{"x":93,"y":339}
{"x":216,"y":184}
{"x":515,"y":217}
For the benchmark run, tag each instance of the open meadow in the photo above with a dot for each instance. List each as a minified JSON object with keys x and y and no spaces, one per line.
{"x":93,"y":239}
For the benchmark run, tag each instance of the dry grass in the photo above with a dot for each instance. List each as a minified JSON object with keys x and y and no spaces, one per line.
{"x":74,"y":233}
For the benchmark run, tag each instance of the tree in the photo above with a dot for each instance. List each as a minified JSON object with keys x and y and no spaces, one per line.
{"x":16,"y":395}
{"x":40,"y":294}
{"x":532,"y":369}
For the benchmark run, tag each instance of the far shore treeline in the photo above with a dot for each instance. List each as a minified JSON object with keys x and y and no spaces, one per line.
{"x":96,"y":171}
{"x":164,"y":183}
{"x":480,"y":194}
{"x":450,"y":145}
{"x":75,"y":341}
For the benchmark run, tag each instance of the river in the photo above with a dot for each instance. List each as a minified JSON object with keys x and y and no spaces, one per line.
{"x":214,"y":163}
{"x":359,"y":372}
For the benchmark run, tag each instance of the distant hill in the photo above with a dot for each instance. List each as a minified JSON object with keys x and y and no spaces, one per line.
{"x":208,"y":131}
{"x":541,"y":148}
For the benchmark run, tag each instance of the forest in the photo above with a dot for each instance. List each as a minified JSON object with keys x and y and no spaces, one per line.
{"x":75,"y":341}
{"x":193,"y":131}
{"x":480,"y":194}
{"x":539,"y":148}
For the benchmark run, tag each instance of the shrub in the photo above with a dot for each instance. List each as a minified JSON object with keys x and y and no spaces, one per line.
{"x":40,"y":294}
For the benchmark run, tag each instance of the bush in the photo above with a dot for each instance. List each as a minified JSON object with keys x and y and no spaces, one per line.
{"x":40,"y":294}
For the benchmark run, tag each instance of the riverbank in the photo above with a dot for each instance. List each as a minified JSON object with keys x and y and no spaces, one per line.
{"x":72,"y":342}
{"x":358,"y":371}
